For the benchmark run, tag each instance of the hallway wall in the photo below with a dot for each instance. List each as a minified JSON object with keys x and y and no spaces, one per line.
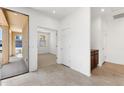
{"x":97,"y":38}
{"x":76,"y":38}
{"x":25,"y":44}
{"x":112,"y":31}
{"x":115,"y":37}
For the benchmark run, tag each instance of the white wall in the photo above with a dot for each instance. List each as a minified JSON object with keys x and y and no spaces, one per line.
{"x":114,"y":38}
{"x":97,"y":33}
{"x":76,"y":40}
{"x":35,"y":19}
{"x":108,"y":33}
{"x":53,"y":42}
{"x":25,"y":44}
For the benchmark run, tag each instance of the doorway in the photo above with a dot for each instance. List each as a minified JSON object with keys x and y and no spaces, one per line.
{"x":15,"y":43}
{"x":47,"y":47}
{"x":98,"y":42}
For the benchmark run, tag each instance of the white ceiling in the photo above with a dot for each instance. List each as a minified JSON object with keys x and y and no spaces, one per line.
{"x":60,"y":11}
{"x":116,"y":8}
{"x":112,"y":10}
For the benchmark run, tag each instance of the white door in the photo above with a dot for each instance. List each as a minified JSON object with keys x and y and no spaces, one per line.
{"x":66,"y":47}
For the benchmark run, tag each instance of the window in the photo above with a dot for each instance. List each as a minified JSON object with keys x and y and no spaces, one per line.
{"x":18,"y":41}
{"x":42,"y":41}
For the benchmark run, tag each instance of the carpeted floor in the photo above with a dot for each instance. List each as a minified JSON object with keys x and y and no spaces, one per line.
{"x":59,"y":75}
{"x":46,"y":60}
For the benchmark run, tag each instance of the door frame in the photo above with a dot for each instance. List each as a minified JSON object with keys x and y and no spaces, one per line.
{"x":46,"y":28}
{"x":6,"y":9}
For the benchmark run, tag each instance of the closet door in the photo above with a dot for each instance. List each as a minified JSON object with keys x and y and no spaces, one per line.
{"x":66,"y":47}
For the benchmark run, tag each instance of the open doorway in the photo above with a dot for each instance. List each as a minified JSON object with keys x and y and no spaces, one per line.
{"x":97,"y":38}
{"x":47,"y":47}
{"x":15,"y":40}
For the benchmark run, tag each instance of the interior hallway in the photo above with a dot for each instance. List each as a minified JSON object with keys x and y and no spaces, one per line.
{"x":108,"y":74}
